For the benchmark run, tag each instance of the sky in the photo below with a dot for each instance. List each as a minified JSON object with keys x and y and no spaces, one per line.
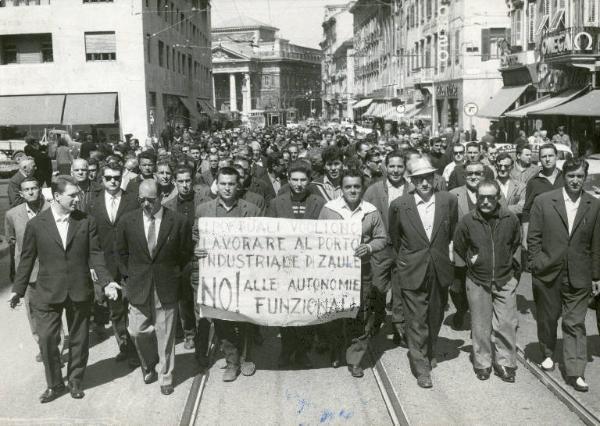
{"x":298,"y":20}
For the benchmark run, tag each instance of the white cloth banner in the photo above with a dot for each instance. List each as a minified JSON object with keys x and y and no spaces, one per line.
{"x":279,"y":272}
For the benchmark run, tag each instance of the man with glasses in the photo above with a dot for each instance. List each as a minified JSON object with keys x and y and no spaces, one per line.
{"x":458,"y":156}
{"x":154,"y":245}
{"x":93,"y":170}
{"x":473,"y":153}
{"x":372,"y":172}
{"x":107,"y":208}
{"x":512,"y":192}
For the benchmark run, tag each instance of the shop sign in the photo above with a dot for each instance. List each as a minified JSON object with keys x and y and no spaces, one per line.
{"x":447,"y":91}
{"x":571,"y":41}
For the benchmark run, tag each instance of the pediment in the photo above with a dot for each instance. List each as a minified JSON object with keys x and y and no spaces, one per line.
{"x":223,"y":54}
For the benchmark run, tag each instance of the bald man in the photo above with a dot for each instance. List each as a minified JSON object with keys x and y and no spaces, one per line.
{"x":88,"y":188}
{"x":26,"y":169}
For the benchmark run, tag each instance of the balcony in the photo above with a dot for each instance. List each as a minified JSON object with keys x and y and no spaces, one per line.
{"x":579,"y":43}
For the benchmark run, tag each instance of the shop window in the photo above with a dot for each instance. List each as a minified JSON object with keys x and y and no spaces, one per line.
{"x":100,"y":46}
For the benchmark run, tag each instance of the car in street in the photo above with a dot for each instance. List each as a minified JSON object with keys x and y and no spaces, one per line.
{"x":592,"y":183}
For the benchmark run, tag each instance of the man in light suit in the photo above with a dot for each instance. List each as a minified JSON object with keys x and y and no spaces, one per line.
{"x":15,"y":222}
{"x":108,"y":207}
{"x":154,"y":245}
{"x":512,"y":191}
{"x":564,"y":253}
{"x":65,"y":242}
{"x":421,"y":226}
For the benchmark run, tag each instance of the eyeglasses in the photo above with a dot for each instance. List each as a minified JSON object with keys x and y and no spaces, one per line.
{"x":503,"y":166}
{"x":109,"y":178}
{"x":474,"y":174}
{"x":80,"y":170}
{"x":459,"y":153}
{"x":486,"y":197}
{"x":150,"y":200}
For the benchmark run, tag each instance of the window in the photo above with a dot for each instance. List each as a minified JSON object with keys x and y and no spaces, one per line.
{"x":516,"y":25}
{"x":189,"y":65}
{"x":591,"y":12}
{"x":168,"y":56}
{"x":47,"y":54}
{"x":161,"y":52}
{"x":457,"y":47}
{"x":149,"y":48}
{"x":100,"y":46}
{"x":9,"y":53}
{"x":152,"y":100}
{"x":530,"y":23}
{"x":178,"y":62}
{"x":159,"y":6}
{"x":97,"y":1}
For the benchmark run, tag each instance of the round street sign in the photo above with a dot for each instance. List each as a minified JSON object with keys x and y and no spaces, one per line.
{"x":401,"y":109}
{"x":471,"y":109}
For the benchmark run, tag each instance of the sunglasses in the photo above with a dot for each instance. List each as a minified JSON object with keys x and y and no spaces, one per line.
{"x":459,"y":152}
{"x":109,"y":178}
{"x":150,"y":200}
{"x":474,"y":174}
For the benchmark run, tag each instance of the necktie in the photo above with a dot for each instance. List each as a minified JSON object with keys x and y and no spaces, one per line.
{"x":152,"y":236}
{"x":113,"y":209}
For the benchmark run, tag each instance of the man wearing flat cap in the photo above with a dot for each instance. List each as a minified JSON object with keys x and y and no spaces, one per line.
{"x":421,"y":225}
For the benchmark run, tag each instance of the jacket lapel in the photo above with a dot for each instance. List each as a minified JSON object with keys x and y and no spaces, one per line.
{"x":52,"y":228}
{"x":463,"y":202}
{"x":411,"y":210}
{"x":165,"y":229}
{"x":72,"y":229}
{"x":559,"y":206}
{"x":584,"y":206}
{"x":139,"y":226}
{"x":101,"y":204}
{"x":438,"y":214}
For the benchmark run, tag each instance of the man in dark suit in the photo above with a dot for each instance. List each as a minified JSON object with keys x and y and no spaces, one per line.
{"x":26,"y":169}
{"x":298,"y":203}
{"x":207,"y":177}
{"x":227,"y":204}
{"x":65,"y":242}
{"x":421,"y":226}
{"x":564,"y":254}
{"x":147,"y":166}
{"x":108,"y":208}
{"x":43,"y":164}
{"x":276,"y":175}
{"x":154,"y":246}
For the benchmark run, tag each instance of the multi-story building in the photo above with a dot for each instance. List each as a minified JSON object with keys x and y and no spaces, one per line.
{"x":119,"y":66}
{"x":337,"y":90}
{"x":265,"y":78}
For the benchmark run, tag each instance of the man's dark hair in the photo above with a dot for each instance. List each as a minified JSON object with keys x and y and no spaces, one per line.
{"x":504,"y":156}
{"x":353,"y":172}
{"x":474,"y":163}
{"x":273,"y":159}
{"x":165,"y":163}
{"x":548,"y":146}
{"x":520,"y":148}
{"x":228,"y":171}
{"x":181,"y":169}
{"x":245,"y":159}
{"x":93,"y":162}
{"x":489,"y":182}
{"x":300,"y":166}
{"x":372,"y":154}
{"x":394,"y":154}
{"x":29,"y":179}
{"x":60,"y":182}
{"x":148,"y":155}
{"x":473,"y":144}
{"x":572,"y":164}
{"x":331,"y":153}
{"x":112,"y":165}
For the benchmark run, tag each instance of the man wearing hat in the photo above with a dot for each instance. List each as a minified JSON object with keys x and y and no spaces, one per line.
{"x":421,"y":225}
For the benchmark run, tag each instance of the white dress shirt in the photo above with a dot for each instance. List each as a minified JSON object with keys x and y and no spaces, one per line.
{"x":112,"y":203}
{"x":504,"y":187}
{"x":393,"y":192}
{"x":157,"y":220}
{"x":571,"y":208}
{"x":62,"y":223}
{"x":426,"y":212}
{"x":275,"y":182}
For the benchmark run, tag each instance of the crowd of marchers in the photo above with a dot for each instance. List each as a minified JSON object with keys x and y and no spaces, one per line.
{"x":109,"y":234}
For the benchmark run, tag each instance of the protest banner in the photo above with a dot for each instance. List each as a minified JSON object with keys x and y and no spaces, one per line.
{"x":279,"y":272}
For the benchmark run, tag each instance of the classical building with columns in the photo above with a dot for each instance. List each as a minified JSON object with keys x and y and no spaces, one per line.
{"x":262,"y":76}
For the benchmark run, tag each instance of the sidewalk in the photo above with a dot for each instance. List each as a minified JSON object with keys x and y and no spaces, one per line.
{"x":114,"y":394}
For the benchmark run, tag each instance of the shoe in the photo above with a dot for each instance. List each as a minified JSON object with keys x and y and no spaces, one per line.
{"x":150,"y":376}
{"x":506,"y":374}
{"x":76,"y":391}
{"x":284,"y":361}
{"x":483,"y":373}
{"x":356,"y":371}
{"x":166,"y":389}
{"x":458,"y":321}
{"x":231,"y":372}
{"x":424,"y":381}
{"x":548,"y":364}
{"x":51,"y":394}
{"x":302,"y":360}
{"x":189,"y":343}
{"x":38,"y":357}
{"x":433,"y":362}
{"x":578,"y":384}
{"x":121,"y":356}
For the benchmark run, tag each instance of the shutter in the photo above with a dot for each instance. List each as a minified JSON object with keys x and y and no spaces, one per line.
{"x":485,"y":44}
{"x":29,"y":58}
{"x":104,"y":42}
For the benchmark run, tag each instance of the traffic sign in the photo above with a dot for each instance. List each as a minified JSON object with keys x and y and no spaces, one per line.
{"x":401,"y":109}
{"x":471,"y":109}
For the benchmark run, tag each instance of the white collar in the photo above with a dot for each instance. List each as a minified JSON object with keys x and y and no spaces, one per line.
{"x":58,"y":217}
{"x":157,"y":216}
{"x":419,"y":200}
{"x":568,"y":199}
{"x":339,"y":204}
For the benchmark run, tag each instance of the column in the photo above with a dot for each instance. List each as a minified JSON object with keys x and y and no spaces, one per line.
{"x":232,"y":93}
{"x":214,"y":98}
{"x":247,"y":94}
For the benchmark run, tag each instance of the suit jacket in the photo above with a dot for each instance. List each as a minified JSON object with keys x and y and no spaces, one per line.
{"x":107,"y":231}
{"x":15,"y":222}
{"x":550,"y":246}
{"x":415,"y":252}
{"x":14,"y":189}
{"x":462,"y":198}
{"x":134,"y":185}
{"x":62,"y":272}
{"x":515,"y":199}
{"x":161,"y":270}
{"x":281,"y":206}
{"x":377,"y":194}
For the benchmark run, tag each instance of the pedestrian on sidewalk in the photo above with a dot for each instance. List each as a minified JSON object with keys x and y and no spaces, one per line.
{"x":564,"y":255}
{"x":65,"y":242}
{"x":487,"y":239}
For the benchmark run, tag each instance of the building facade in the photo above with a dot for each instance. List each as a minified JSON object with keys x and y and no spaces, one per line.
{"x":337,"y":90}
{"x":121,"y":66}
{"x":265,"y":78}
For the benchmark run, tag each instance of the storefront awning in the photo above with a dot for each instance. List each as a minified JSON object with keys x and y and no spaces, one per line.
{"x":362,"y":103}
{"x":30,"y":110}
{"x":424,"y":113}
{"x":584,"y":106}
{"x":545,"y":103}
{"x":191,"y":107}
{"x":369,"y":112}
{"x":206,"y":107}
{"x":90,"y":108}
{"x":501,"y":101}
